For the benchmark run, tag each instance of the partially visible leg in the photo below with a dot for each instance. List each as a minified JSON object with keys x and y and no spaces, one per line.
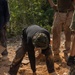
{"x":72,"y":53}
{"x":56,"y":37}
{"x":67,"y":45}
{"x":67,"y":32}
{"x":17,"y":61}
{"x":3,"y":40}
{"x":71,"y":59}
{"x":31,"y":54}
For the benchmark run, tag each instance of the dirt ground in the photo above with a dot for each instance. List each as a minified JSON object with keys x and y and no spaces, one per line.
{"x":62,"y":69}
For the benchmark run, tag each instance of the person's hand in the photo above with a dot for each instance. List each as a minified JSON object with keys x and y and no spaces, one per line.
{"x":55,"y":7}
{"x":34,"y":73}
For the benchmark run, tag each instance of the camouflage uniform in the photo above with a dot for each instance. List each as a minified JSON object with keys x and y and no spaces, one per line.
{"x":62,"y":20}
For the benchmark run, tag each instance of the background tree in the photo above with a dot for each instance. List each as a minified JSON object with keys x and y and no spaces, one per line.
{"x":27,"y":12}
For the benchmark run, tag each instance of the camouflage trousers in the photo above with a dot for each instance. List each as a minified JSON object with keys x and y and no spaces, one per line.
{"x":61,"y":23}
{"x":3,"y":40}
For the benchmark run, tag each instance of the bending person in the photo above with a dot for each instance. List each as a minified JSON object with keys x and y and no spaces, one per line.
{"x":33,"y":36}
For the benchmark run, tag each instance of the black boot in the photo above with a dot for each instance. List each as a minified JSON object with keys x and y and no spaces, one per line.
{"x":71,"y":61}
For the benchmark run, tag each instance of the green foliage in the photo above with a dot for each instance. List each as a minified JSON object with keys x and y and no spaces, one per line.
{"x":27,"y":12}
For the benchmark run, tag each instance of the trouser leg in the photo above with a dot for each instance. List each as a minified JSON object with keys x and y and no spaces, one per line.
{"x":71,"y":58}
{"x":31,"y":54}
{"x":67,"y":32}
{"x":67,"y":44}
{"x":20,"y":53}
{"x":56,"y":44}
{"x":3,"y":39}
{"x":56,"y":41}
{"x":67,"y":40}
{"x":57,"y":28}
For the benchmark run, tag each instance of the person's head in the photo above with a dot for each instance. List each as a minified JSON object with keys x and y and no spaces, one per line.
{"x":40,"y":40}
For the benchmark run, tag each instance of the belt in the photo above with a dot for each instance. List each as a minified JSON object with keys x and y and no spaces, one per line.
{"x":64,"y":11}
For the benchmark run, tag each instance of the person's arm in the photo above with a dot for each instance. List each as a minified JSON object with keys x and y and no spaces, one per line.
{"x":31,"y":55}
{"x":52,"y":4}
{"x":49,"y":59}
